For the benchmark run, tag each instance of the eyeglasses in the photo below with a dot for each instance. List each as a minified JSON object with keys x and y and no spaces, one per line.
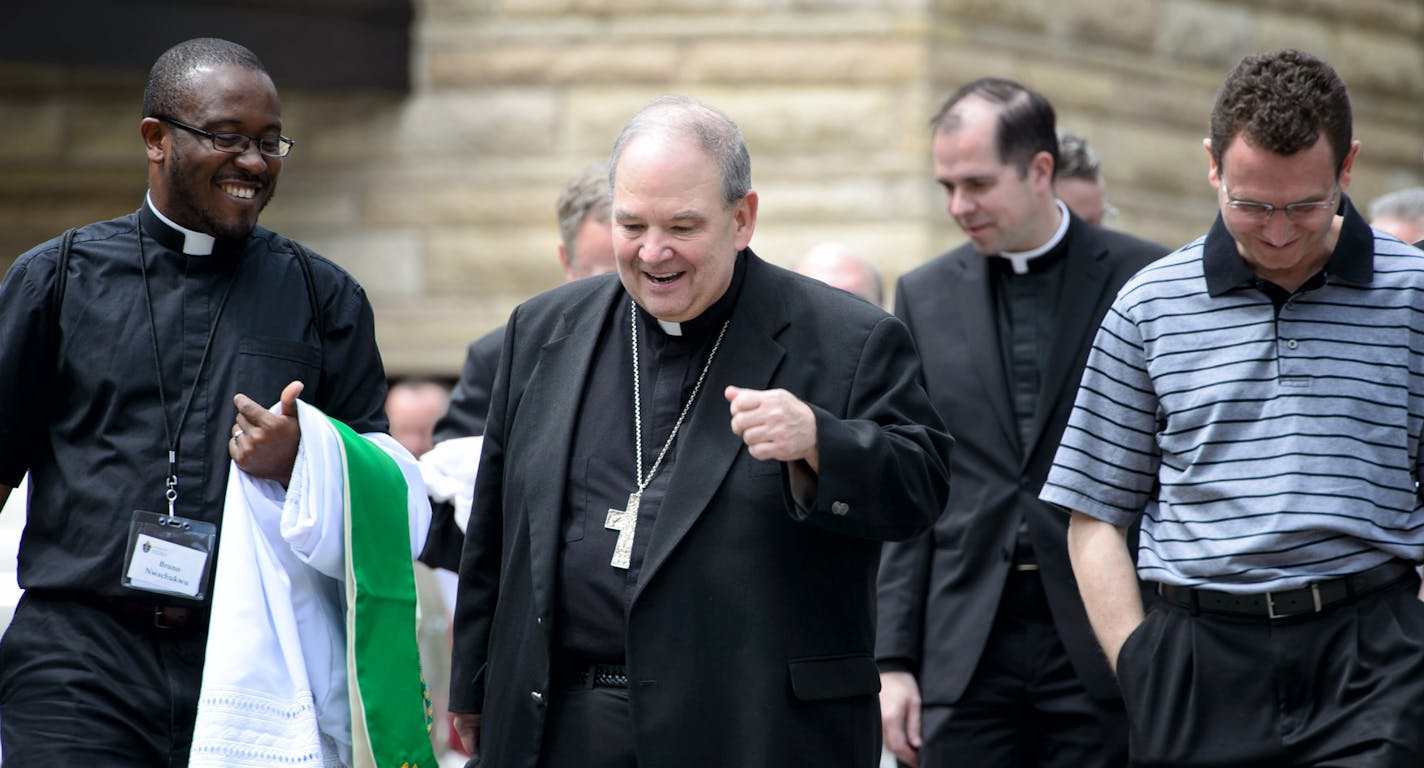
{"x":237,"y":143}
{"x":1260,"y":213}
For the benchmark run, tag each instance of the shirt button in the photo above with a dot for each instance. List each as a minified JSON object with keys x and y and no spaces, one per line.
{"x":840,"y":508}
{"x":1292,"y":344}
{"x":537,"y":697}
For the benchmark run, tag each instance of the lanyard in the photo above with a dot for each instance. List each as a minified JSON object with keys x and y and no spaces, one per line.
{"x":172,"y":438}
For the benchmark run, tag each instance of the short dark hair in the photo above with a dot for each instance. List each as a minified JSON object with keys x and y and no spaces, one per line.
{"x":1026,"y":119}
{"x":167,"y":80}
{"x":1282,"y":101}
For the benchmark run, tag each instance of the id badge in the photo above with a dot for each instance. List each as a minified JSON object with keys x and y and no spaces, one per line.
{"x":168,"y":554}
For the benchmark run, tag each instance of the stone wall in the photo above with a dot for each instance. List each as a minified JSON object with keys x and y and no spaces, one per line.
{"x":441,"y":200}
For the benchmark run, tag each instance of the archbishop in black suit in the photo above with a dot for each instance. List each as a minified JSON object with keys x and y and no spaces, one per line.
{"x":982,"y":613}
{"x":740,"y":630}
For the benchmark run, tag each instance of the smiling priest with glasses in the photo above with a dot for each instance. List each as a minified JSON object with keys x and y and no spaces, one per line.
{"x":137,"y":358}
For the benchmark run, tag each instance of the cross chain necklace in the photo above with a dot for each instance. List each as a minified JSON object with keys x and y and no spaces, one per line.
{"x":625,"y":521}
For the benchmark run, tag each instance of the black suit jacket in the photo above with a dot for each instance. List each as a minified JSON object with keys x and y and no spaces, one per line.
{"x":469,"y":401}
{"x":751,"y":630}
{"x":939,"y":592}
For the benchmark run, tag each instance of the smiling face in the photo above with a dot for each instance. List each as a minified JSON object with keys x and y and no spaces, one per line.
{"x":202,"y":188}
{"x":675,"y":242}
{"x":1283,"y":250}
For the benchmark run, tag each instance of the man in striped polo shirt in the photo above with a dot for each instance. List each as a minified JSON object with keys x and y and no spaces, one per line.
{"x":1256,"y":400}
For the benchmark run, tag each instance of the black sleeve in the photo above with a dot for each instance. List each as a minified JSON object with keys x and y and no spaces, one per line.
{"x":29,"y":334}
{"x":469,"y":402}
{"x":903,"y":580}
{"x":353,"y":379}
{"x":445,"y":541}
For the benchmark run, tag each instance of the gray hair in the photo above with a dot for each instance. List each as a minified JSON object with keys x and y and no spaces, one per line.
{"x":1405,"y":204}
{"x":713,"y":131}
{"x":1076,"y":160}
{"x":584,"y":197}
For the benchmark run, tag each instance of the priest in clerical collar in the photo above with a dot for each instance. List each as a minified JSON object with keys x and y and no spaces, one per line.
{"x":138,"y":358}
{"x":687,"y":473}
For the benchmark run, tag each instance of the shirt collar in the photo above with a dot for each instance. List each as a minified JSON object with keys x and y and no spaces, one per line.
{"x":194,"y":243}
{"x":1352,"y":260}
{"x":183,"y":240}
{"x":1020,"y":259}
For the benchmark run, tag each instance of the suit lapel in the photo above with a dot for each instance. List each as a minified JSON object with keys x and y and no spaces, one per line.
{"x":1084,"y":281}
{"x":970,"y":311}
{"x":707,"y":447}
{"x":556,"y":386}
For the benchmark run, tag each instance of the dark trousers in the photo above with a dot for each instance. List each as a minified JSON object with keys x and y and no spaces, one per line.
{"x":84,"y":687}
{"x":588,"y":728}
{"x":1340,"y":688}
{"x":1024,"y":705}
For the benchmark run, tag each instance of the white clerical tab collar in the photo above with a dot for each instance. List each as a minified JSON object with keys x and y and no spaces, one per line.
{"x":194,"y":243}
{"x":1020,"y":259}
{"x":671,"y":329}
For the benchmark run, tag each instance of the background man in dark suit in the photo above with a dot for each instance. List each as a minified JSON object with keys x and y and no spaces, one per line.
{"x":986,"y":654}
{"x":687,"y":472}
{"x":585,"y":249}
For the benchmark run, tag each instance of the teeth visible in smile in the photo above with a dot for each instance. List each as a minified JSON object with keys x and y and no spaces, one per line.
{"x":664,"y":277}
{"x":245,"y":193}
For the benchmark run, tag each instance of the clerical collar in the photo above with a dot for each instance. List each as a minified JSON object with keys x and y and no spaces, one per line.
{"x":711,"y":319}
{"x":194,"y":243}
{"x":1020,"y":259}
{"x":177,"y":238}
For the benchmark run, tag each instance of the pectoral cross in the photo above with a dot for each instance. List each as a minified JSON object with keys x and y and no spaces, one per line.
{"x":625,"y":522}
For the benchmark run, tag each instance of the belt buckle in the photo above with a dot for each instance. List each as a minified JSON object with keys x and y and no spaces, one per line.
{"x":1271,"y":604}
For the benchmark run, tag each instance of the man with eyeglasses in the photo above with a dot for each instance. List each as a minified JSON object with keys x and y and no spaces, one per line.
{"x":1255,"y":401}
{"x":136,"y":360}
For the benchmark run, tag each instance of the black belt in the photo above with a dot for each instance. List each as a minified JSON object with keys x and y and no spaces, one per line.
{"x":1313,"y":598}
{"x":578,"y":675}
{"x":139,"y":612}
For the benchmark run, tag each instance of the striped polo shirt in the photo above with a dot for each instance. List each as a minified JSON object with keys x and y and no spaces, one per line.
{"x":1261,"y":449}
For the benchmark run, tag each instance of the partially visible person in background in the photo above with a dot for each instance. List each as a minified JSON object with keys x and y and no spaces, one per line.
{"x":1400,"y":213}
{"x":1079,"y":181}
{"x":413,"y":406}
{"x":838,"y":265}
{"x":585,"y":249}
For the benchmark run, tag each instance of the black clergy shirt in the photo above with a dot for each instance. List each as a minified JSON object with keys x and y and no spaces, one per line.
{"x":592,"y":598}
{"x":1026,"y":318}
{"x":81,"y":386}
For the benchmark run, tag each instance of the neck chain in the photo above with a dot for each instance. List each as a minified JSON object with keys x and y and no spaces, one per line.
{"x":625,"y":521}
{"x":642,"y":482}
